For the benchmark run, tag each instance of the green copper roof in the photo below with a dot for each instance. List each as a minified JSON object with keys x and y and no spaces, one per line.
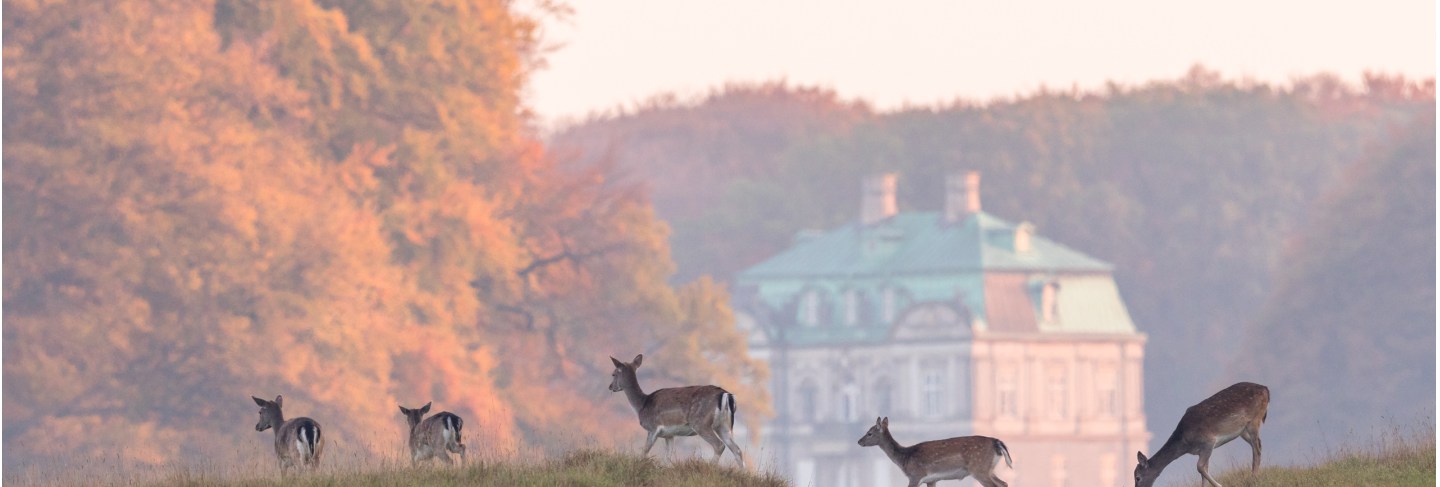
{"x":918,"y":243}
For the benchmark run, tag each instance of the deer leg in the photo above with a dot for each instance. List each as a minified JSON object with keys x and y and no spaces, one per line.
{"x":715,"y":443}
{"x":669,"y":452}
{"x":730,"y":442}
{"x":650,"y":442}
{"x":1203,"y":466}
{"x":990,"y":480}
{"x":1253,"y":438}
{"x":459,"y":450}
{"x":724,"y":431}
{"x":444,"y":457}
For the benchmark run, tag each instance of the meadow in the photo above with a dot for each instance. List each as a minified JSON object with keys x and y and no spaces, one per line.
{"x":1394,"y":459}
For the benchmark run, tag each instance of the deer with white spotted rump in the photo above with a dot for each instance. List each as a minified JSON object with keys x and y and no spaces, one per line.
{"x":1236,"y":411}
{"x":434,"y":436}
{"x":707,"y":411}
{"x":298,"y":439}
{"x":949,"y":459}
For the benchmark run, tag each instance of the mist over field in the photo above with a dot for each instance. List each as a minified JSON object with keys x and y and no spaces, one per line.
{"x":348,"y":204}
{"x":1280,"y":234}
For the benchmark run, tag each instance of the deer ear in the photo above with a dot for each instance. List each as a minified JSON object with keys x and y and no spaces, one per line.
{"x":278,"y":400}
{"x":258,"y":401}
{"x":638,"y":358}
{"x":403,"y":410}
{"x":885,"y":423}
{"x":425,"y":409}
{"x":1141,"y":458}
{"x":877,"y":421}
{"x":617,"y":362}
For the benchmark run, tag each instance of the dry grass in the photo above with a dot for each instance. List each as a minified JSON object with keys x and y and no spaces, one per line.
{"x":1395,"y":459}
{"x":580,"y":468}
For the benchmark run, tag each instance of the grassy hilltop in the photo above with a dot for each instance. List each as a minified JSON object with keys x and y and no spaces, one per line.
{"x":581,"y":468}
{"x":1393,"y":469}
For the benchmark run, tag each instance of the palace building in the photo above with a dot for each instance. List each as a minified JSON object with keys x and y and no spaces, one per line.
{"x":950,"y":323}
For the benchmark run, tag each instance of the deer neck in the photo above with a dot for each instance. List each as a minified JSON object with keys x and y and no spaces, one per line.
{"x":898,"y":454}
{"x":277,"y":419}
{"x":631,"y":386}
{"x":1166,"y":454}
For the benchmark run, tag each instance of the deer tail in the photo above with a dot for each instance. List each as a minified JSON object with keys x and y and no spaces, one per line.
{"x":727,"y":404}
{"x":309,"y":436}
{"x":1005,"y":452}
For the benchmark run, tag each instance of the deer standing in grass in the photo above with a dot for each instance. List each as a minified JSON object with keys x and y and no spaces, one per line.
{"x":707,"y":411}
{"x":434,"y":436}
{"x":1238,"y":410}
{"x":949,"y":459}
{"x":296,"y":439}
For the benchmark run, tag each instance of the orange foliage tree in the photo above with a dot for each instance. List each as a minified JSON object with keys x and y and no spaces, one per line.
{"x":211,"y":199}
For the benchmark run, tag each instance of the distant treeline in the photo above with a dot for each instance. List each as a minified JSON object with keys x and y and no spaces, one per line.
{"x":1209,"y":195}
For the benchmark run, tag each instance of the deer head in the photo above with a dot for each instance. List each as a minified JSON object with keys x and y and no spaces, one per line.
{"x":413,"y":416}
{"x":624,"y":373}
{"x":876,"y":435}
{"x":270,"y":415}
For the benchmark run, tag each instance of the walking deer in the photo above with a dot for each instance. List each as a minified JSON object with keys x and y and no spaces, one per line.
{"x":1238,"y":410}
{"x":434,"y":436}
{"x":949,"y":459}
{"x":707,"y":411}
{"x":296,"y":439}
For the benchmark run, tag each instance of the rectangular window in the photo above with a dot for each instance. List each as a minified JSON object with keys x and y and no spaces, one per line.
{"x":1057,"y":392}
{"x":930,"y":393}
{"x":1007,"y":396}
{"x":1107,"y":392}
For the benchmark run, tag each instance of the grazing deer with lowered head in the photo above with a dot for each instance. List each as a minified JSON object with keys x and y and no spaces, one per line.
{"x":949,"y":459}
{"x":707,"y":411}
{"x":434,"y":436}
{"x":1238,"y":410}
{"x":296,"y":439}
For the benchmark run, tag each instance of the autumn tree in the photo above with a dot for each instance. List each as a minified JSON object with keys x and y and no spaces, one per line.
{"x":337,"y":202}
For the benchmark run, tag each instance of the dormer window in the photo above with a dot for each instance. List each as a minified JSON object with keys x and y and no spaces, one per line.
{"x":852,"y":307}
{"x":810,"y":309}
{"x":1049,"y":301}
{"x":1045,"y":294}
{"x":887,"y":305}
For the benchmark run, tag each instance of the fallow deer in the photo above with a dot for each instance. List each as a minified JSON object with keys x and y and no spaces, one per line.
{"x":707,"y":411}
{"x":296,"y":439}
{"x":434,"y":436}
{"x":949,"y":459}
{"x":1236,"y":411}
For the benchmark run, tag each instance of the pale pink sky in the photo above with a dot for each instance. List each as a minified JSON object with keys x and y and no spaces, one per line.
{"x":617,"y":52}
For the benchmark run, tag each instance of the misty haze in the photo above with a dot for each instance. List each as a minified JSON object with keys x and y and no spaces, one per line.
{"x":211,"y":204}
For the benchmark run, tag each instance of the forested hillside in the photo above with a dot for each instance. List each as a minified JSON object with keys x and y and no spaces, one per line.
{"x":1191,"y":187}
{"x":1348,"y":334}
{"x":338,"y":202}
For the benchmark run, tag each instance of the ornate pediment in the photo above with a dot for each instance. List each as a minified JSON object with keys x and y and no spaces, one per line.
{"x":933,"y":320}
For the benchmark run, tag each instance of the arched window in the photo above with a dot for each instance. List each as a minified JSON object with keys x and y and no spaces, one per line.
{"x":807,"y":402}
{"x":884,"y":394}
{"x":849,"y":403}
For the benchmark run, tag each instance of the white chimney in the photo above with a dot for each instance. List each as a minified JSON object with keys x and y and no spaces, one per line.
{"x":877,"y":198}
{"x":962,"y":195}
